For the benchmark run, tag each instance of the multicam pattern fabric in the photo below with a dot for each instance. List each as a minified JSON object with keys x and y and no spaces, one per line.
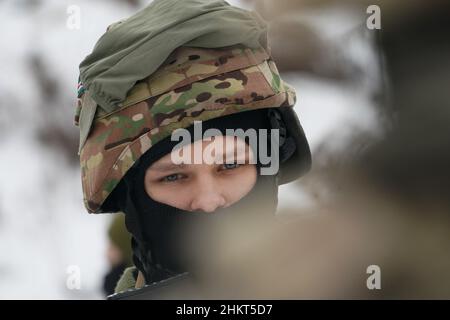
{"x":193,"y":84}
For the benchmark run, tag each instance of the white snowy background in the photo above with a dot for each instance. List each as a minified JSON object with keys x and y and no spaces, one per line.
{"x":44,"y":228}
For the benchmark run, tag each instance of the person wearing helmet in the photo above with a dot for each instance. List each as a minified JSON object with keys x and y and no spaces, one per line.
{"x":219,"y":89}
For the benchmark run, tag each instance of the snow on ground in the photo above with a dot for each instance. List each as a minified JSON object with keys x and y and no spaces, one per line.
{"x":44,"y":228}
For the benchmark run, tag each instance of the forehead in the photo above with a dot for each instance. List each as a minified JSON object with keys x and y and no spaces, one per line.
{"x":222,"y":146}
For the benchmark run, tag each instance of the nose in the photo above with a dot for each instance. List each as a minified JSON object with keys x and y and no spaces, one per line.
{"x":207,"y":196}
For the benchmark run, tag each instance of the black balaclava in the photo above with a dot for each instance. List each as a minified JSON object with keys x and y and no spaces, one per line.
{"x":164,"y":237}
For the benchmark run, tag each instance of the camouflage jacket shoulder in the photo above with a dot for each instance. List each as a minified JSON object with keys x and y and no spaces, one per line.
{"x":127,"y":281}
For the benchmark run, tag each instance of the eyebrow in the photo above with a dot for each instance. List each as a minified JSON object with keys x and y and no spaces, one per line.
{"x":234,"y":151}
{"x":233,"y":154}
{"x":166,"y":166}
{"x":169,"y":166}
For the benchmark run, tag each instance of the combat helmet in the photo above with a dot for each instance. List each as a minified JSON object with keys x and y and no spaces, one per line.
{"x":192,"y":84}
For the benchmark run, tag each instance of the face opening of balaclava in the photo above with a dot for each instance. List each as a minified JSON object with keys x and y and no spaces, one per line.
{"x":166,"y":240}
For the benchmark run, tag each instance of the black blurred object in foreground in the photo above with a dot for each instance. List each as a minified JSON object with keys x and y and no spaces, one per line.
{"x":177,"y":287}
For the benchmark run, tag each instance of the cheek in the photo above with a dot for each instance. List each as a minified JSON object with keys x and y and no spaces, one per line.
{"x":175,"y":195}
{"x":239,"y":184}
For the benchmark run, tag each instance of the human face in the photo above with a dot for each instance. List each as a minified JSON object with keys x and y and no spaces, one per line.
{"x":204,"y":187}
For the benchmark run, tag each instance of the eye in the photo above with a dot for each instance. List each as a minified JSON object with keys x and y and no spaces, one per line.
{"x":230,"y":166}
{"x":171,"y":177}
